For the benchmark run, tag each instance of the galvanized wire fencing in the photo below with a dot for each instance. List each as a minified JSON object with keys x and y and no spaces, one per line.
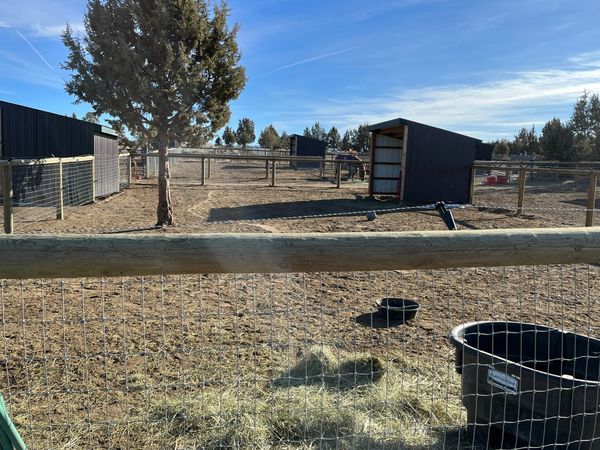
{"x":125,"y":171}
{"x":558,"y":195}
{"x":37,"y":190}
{"x":300,"y":360}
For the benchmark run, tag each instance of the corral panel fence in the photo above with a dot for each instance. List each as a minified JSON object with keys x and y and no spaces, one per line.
{"x":542,"y":189}
{"x":45,"y":189}
{"x":248,"y":168}
{"x":125,"y":171}
{"x":274,"y":341}
{"x":37,"y":190}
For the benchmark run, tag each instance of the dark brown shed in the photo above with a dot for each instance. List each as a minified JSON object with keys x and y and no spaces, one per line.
{"x":419,"y":163}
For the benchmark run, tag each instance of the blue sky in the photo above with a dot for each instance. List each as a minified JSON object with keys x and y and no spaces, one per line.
{"x":480,"y":67}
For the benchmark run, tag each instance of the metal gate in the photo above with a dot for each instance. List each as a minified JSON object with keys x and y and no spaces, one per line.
{"x":106,"y":165}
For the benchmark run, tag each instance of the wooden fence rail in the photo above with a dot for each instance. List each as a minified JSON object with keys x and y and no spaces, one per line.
{"x":66,"y":256}
{"x":591,"y":173}
{"x":270,"y":163}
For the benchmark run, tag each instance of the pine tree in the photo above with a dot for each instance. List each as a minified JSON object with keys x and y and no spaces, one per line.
{"x":228,"y":136}
{"x":362,"y":139}
{"x":333,"y":138}
{"x":346,"y":144}
{"x":168,"y":64}
{"x":244,"y":134}
{"x":269,"y":138}
{"x":284,"y":141}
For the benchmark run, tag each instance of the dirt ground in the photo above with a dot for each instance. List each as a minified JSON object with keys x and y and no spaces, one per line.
{"x":85,"y":360}
{"x":237,"y":198}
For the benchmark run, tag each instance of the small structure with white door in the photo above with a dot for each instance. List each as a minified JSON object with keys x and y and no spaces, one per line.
{"x":419,"y":163}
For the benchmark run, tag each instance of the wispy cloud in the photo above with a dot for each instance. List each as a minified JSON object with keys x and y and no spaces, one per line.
{"x":41,"y":18}
{"x":486,"y":110}
{"x":35,"y":50}
{"x":383,"y":7}
{"x":315,"y":58}
{"x":15,"y":67}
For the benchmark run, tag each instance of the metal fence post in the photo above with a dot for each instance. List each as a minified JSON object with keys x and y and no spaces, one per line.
{"x":522,"y":177}
{"x":591,"y":203}
{"x":60,"y":205}
{"x":274,"y":173}
{"x":129,"y":173}
{"x":209,"y":169}
{"x":338,"y":174}
{"x":202,"y":172}
{"x":7,"y":193}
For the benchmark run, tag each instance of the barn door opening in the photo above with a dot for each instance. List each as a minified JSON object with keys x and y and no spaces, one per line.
{"x":388,"y":158}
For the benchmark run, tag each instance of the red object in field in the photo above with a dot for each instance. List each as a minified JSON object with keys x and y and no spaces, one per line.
{"x":491,"y":179}
{"x":501,"y":179}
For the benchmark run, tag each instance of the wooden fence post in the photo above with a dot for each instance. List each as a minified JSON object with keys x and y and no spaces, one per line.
{"x":209,"y":169}
{"x":202,"y":172}
{"x":273,"y":173}
{"x":322,"y":170}
{"x":7,"y":193}
{"x":591,"y":203}
{"x":522,"y":176}
{"x":266,"y":169}
{"x":60,"y":205}
{"x":472,"y":187}
{"x":338,"y":174}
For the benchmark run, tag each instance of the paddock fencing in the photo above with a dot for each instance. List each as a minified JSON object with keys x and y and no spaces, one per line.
{"x":258,"y":341}
{"x":259,"y":168}
{"x":554,"y":194}
{"x":39,"y":190}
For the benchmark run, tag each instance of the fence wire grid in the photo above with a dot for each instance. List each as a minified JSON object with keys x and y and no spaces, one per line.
{"x":300,"y":360}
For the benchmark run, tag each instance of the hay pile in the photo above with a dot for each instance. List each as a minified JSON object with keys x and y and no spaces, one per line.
{"x":328,"y":399}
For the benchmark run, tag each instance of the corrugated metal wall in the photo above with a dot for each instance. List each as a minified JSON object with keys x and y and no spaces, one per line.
{"x":106,"y":164}
{"x":31,"y":134}
{"x":438,"y":165}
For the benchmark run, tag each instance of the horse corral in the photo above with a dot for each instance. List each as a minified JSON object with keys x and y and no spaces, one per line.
{"x":281,"y":360}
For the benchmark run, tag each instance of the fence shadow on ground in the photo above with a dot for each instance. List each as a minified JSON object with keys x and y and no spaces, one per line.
{"x":281,"y":210}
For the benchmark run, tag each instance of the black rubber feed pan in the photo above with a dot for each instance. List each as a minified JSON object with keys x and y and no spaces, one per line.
{"x":397,"y":309}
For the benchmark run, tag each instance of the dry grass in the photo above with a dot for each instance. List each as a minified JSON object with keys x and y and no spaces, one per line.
{"x":328,"y":399}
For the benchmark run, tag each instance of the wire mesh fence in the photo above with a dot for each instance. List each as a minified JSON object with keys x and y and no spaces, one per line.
{"x":284,"y":361}
{"x":557,"y":199}
{"x":125,"y":171}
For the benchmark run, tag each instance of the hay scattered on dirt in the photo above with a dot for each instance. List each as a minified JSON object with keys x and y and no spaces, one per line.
{"x":334,"y":369}
{"x":328,"y":399}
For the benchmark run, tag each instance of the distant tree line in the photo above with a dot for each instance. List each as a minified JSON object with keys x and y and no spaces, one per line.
{"x":577,"y":139}
{"x":357,"y":139}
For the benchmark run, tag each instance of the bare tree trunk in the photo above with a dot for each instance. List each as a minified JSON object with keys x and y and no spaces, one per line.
{"x":164,"y":211}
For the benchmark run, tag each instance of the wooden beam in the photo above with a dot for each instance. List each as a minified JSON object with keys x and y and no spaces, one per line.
{"x":74,"y":256}
{"x":591,"y":202}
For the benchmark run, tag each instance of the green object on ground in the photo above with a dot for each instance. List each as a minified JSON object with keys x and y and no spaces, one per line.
{"x":9,"y":436}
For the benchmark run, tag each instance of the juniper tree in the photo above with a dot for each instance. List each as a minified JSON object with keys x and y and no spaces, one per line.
{"x":173,"y":65}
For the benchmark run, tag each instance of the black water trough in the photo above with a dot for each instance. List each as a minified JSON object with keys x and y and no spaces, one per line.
{"x":529,"y":386}
{"x":397,"y":309}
